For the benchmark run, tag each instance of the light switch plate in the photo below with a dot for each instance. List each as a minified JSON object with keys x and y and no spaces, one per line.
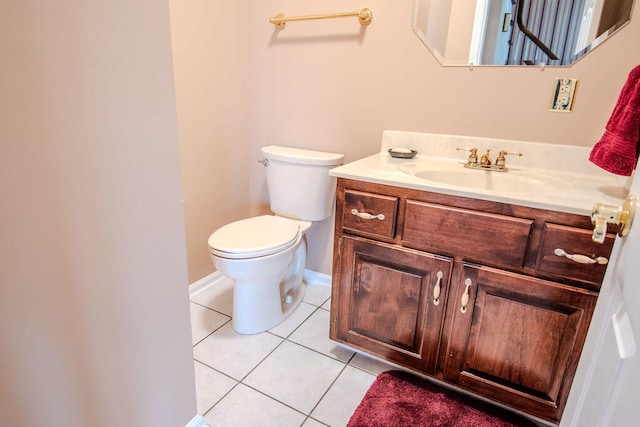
{"x":564,"y":92}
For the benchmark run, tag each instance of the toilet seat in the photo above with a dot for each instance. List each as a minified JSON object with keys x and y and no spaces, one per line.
{"x":254,"y":237}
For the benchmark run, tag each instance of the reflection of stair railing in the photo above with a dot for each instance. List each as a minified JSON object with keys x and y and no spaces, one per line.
{"x":527,"y":32}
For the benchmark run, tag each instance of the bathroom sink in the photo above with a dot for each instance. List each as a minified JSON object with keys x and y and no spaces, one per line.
{"x":513,"y":181}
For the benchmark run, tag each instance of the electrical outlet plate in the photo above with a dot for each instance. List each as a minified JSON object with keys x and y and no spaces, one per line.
{"x":564,"y":92}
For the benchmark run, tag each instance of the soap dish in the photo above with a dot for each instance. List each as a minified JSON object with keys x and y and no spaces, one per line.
{"x":402,"y":153}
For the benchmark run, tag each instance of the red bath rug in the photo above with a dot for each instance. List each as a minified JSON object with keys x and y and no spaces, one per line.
{"x":400,"y":399}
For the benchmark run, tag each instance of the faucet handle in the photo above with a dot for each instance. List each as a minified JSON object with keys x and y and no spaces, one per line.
{"x":473,"y":154}
{"x":501,"y":160}
{"x":505,"y":152}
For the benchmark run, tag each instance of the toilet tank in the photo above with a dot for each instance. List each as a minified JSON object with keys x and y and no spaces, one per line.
{"x":298,"y":182}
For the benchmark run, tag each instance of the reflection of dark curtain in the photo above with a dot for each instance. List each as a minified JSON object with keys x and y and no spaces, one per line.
{"x":548,"y":19}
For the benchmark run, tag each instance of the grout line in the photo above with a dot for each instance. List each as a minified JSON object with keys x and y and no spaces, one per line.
{"x":226,"y":394}
{"x":274,"y":399}
{"x":329,"y":388}
{"x":263,"y":359}
{"x":257,"y":391}
{"x":216,"y":329}
{"x":297,"y":327}
{"x":207,"y":307}
{"x":253,"y":369}
{"x":309,"y":417}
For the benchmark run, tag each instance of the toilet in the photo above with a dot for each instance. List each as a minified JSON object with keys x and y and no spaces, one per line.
{"x":265,"y":256}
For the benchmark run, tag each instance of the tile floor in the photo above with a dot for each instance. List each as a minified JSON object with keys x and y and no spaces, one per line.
{"x":291,"y":375}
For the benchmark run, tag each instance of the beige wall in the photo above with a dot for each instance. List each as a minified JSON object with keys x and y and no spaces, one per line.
{"x":211,"y":56}
{"x":334,"y":86}
{"x":94,"y":311}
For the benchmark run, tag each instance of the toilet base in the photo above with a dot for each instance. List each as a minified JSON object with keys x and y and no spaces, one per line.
{"x":255,"y":312}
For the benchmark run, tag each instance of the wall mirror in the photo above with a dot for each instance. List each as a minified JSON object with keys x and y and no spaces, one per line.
{"x":516,"y":32}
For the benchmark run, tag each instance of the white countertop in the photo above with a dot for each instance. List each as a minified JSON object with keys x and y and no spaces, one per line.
{"x":574,"y":184}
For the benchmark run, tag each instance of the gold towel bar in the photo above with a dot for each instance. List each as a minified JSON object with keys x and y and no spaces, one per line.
{"x":364,"y":16}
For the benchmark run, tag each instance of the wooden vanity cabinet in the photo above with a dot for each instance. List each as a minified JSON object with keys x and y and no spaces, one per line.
{"x":464,"y":290}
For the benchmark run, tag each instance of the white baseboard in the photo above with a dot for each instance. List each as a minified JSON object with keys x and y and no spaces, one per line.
{"x":197,"y":421}
{"x":309,"y":276}
{"x":203,"y":283}
{"x":317,"y":278}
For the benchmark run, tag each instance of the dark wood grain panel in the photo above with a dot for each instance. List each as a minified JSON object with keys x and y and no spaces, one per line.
{"x":385,"y":302}
{"x":573,"y":241}
{"x":374,"y":204}
{"x":478,"y":236}
{"x":520,"y":340}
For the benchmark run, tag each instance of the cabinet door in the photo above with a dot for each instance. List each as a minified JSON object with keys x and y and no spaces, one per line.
{"x":518,"y":340}
{"x":384,"y":301}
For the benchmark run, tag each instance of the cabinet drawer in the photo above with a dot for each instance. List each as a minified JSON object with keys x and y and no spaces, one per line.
{"x":479,"y":236}
{"x":370,"y":213}
{"x":572,"y":241}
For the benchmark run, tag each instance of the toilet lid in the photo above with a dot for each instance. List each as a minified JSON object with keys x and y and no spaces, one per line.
{"x":254,"y":237}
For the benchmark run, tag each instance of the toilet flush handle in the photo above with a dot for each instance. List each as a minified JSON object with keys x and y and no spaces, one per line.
{"x":265,"y":162}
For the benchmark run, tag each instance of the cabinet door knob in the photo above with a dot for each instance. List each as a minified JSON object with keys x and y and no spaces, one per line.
{"x":465,"y":296}
{"x":581,"y":259}
{"x":436,"y":289}
{"x":365,"y":215}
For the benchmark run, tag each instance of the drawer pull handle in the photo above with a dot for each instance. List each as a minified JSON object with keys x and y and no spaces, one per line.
{"x":436,"y":289}
{"x":581,"y":259}
{"x":465,"y":296}
{"x":365,"y":215}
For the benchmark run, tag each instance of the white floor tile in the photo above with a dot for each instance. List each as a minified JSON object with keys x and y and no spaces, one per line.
{"x":246,"y":407}
{"x":314,"y":333}
{"x":371,"y":364}
{"x":317,"y":294}
{"x":295,"y":375}
{"x":310,"y":422}
{"x":327,"y":305}
{"x":204,"y":321}
{"x":344,"y":396}
{"x":211,"y":386}
{"x":232,"y":353}
{"x":294,"y":320}
{"x":218,"y":296}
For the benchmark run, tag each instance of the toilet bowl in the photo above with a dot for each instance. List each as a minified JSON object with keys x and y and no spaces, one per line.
{"x":265,"y":256}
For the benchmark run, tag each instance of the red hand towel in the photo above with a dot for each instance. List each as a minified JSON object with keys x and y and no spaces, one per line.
{"x":617,"y":150}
